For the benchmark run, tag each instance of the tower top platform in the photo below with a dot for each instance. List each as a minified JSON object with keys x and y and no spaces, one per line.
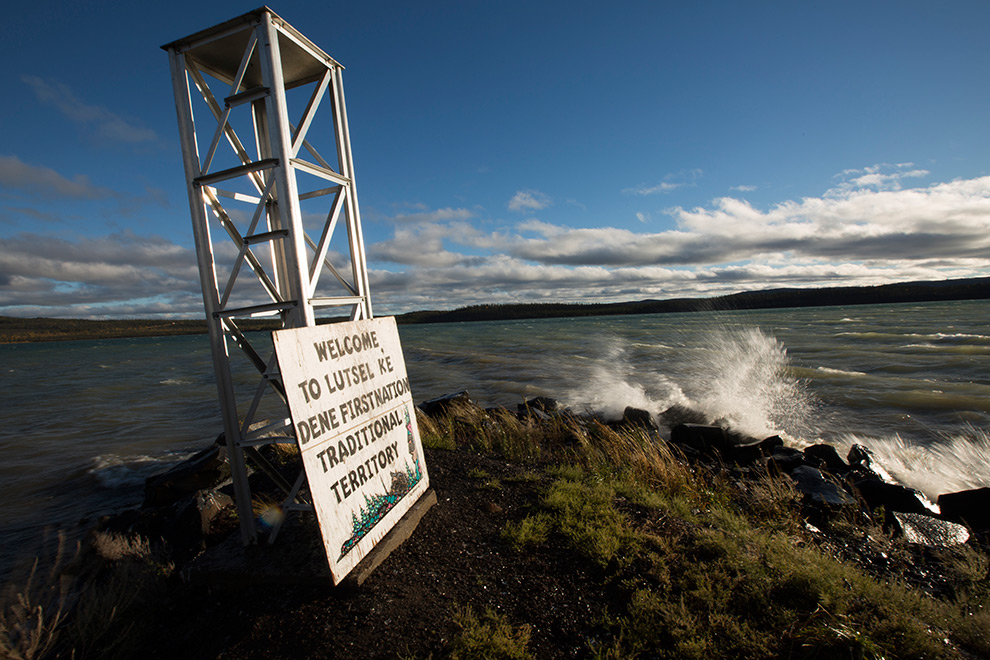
{"x":218,"y":51}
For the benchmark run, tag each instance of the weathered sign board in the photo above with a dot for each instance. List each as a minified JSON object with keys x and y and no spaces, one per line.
{"x":355,"y":423}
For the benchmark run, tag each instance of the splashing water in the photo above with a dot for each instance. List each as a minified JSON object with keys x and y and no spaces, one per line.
{"x":948,"y":464}
{"x":740,"y":378}
{"x":736,"y":377}
{"x":612,"y":384}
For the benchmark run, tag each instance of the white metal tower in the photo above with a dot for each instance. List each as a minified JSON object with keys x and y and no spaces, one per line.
{"x":278,"y":192}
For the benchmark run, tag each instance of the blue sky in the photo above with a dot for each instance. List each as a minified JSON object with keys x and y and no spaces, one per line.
{"x":526,"y":151}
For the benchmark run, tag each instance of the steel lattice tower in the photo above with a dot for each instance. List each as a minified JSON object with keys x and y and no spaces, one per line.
{"x":264,"y":247}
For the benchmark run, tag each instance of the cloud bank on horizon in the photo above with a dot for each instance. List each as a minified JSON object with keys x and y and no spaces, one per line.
{"x":866,"y":230}
{"x":755,"y":161}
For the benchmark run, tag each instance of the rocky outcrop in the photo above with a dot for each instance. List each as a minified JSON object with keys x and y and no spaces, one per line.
{"x":206,"y":469}
{"x":827,"y":482}
{"x":970,"y":507}
{"x":442,"y":404}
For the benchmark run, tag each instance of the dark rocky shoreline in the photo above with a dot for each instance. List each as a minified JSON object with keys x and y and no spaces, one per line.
{"x":187,"y":505}
{"x":284,"y":604}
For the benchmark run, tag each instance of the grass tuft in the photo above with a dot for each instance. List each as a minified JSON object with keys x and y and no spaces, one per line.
{"x":528,"y":532}
{"x":488,"y":637}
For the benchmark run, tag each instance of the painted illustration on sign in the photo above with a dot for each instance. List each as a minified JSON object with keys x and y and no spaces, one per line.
{"x":355,"y":424}
{"x":377,"y":506}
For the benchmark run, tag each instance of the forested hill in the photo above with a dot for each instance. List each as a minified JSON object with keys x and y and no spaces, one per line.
{"x":45,"y":329}
{"x":965,"y":289}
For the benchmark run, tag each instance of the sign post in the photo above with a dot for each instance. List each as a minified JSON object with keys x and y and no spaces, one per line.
{"x":355,"y":423}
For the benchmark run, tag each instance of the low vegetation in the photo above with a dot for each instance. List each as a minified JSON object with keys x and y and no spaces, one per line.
{"x":710,"y":566}
{"x":697,"y":560}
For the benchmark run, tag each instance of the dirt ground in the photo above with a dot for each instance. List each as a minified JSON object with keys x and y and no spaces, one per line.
{"x":455,"y":558}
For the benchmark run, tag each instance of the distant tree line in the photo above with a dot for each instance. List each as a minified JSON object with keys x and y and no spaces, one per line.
{"x":908,"y":292}
{"x":13,"y":329}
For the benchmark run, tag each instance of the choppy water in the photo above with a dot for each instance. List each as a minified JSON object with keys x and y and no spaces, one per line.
{"x":83,"y":423}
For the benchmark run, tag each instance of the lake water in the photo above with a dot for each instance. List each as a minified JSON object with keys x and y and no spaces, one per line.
{"x":83,"y":423}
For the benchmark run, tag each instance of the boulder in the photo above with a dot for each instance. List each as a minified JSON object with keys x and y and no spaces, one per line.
{"x":769,"y":445}
{"x":785,"y":459}
{"x":930,"y":531}
{"x":206,"y":469}
{"x":737,"y":439}
{"x":892,"y":497}
{"x":533,"y":413}
{"x":970,"y":507}
{"x":210,"y":503}
{"x":817,"y":490}
{"x":638,"y":417}
{"x":680,"y":414}
{"x":183,"y":525}
{"x":542,"y":403}
{"x":829,"y":458}
{"x":441,"y":404}
{"x":859,"y":456}
{"x":700,"y":438}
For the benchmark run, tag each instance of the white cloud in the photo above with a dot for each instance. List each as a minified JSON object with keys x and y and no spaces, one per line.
{"x":662,"y":187}
{"x":103,"y":123}
{"x":75,"y":277}
{"x":670,"y":183}
{"x":849,"y":236}
{"x":883,"y":176}
{"x":743,"y":188}
{"x":16,"y":174}
{"x":853,"y":234}
{"x":950,"y":220}
{"x":422,"y":245}
{"x":529,"y":200}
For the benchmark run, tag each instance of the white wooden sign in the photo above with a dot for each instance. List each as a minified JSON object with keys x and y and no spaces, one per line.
{"x":356,"y":427}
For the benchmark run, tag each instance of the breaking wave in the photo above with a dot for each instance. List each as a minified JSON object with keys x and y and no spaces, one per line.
{"x":117,"y":471}
{"x":950,"y":463}
{"x":736,"y":377}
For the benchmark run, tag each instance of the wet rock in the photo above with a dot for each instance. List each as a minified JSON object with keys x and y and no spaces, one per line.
{"x":700,"y":438}
{"x":441,"y":404}
{"x":542,"y":403}
{"x":210,"y":503}
{"x":744,"y":448}
{"x":533,"y":413}
{"x":679,"y":414}
{"x":859,"y":456}
{"x":769,"y":445}
{"x":817,"y":490}
{"x":970,"y":507}
{"x":739,"y":440}
{"x":637,"y":417}
{"x":785,"y":459}
{"x":182,"y":525}
{"x":930,"y":531}
{"x":892,"y":497}
{"x":206,"y":469}
{"x":829,"y":458}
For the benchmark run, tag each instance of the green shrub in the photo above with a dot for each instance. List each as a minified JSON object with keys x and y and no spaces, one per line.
{"x":585,"y":514}
{"x":530,"y":531}
{"x":489,"y":637}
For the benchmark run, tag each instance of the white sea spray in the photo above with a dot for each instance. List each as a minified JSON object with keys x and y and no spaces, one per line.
{"x":950,"y":462}
{"x":739,"y":377}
